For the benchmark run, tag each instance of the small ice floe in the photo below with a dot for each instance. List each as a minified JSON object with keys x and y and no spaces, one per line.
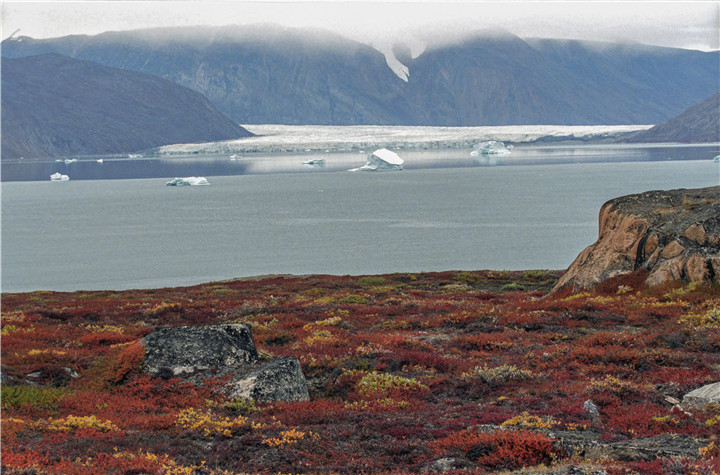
{"x":491,"y":147}
{"x":188,"y":181}
{"x":235,"y":157}
{"x":59,"y":177}
{"x":381,"y":160}
{"x":135,"y":155}
{"x":315,"y":162}
{"x":70,"y":160}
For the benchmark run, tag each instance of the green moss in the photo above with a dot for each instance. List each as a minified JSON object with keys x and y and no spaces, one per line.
{"x":26,"y":395}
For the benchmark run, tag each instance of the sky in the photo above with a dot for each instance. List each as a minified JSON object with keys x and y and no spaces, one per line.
{"x":683,"y":24}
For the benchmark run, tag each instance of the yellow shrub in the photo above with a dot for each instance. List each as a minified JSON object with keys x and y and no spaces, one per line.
{"x":289,"y":437}
{"x":526,"y":420}
{"x":707,"y":320}
{"x":210,"y":424}
{"x":612,"y":384}
{"x":69,"y":423}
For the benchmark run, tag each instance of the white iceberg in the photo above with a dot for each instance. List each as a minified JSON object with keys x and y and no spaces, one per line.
{"x":381,"y":160}
{"x":491,"y":147}
{"x":188,"y":181}
{"x":59,"y":177}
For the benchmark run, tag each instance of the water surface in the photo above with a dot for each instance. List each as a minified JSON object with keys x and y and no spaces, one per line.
{"x":139,"y":233}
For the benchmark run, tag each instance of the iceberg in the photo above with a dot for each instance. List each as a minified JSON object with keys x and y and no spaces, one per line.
{"x":315,"y":162}
{"x":491,"y":147}
{"x":188,"y":181}
{"x":381,"y":160}
{"x":59,"y":177}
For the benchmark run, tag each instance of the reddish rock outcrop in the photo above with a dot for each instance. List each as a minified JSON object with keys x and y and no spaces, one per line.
{"x":670,"y":234}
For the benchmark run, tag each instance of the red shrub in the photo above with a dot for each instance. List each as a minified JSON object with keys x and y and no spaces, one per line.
{"x":506,"y":450}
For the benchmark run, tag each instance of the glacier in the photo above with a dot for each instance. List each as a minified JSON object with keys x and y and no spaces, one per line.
{"x":274,"y":138}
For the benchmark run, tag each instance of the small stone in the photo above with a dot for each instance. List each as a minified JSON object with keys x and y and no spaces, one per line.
{"x":671,"y":400}
{"x":591,"y":408}
{"x":440,"y":466}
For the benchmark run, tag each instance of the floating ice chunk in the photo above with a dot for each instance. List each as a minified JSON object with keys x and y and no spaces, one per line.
{"x":59,"y":177}
{"x":381,"y":160}
{"x":491,"y":147}
{"x":188,"y":181}
{"x":315,"y":162}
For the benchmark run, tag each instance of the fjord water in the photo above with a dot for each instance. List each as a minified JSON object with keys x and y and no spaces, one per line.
{"x":138,"y":233}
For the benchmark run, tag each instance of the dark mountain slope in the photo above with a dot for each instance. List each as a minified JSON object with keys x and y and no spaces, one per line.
{"x":500,"y":81}
{"x":257,"y":74}
{"x":698,"y":124}
{"x":269,"y":74}
{"x":645,"y":84}
{"x":53,"y":105}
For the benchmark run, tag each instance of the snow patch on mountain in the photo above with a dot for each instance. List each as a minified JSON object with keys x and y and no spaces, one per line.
{"x":400,"y":70}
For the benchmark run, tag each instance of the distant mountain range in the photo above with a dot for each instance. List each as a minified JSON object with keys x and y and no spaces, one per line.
{"x":698,"y":124}
{"x":53,"y":105}
{"x":268,"y":74}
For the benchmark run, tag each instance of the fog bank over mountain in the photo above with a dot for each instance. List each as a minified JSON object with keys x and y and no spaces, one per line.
{"x":267,"y":74}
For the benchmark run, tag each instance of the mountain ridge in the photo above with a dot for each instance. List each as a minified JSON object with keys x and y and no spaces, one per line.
{"x":270,"y":74}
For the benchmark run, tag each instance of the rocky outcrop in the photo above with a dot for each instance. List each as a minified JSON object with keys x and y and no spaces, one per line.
{"x":672,"y":235}
{"x":701,"y":397}
{"x":196,"y":353}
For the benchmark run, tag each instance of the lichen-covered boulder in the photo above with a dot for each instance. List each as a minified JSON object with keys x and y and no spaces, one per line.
{"x":188,"y":351}
{"x":701,"y":397}
{"x":281,"y":379}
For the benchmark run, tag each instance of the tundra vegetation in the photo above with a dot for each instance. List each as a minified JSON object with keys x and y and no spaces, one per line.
{"x":477,"y":370}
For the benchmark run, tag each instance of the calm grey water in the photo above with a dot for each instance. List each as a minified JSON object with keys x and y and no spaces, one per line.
{"x":138,"y":233}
